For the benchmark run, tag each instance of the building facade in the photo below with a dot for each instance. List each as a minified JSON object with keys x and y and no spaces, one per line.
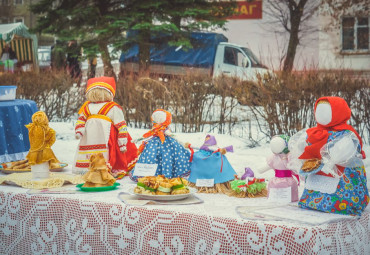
{"x":13,"y":11}
{"x":344,"y":40}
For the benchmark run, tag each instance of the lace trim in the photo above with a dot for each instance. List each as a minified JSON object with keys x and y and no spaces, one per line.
{"x":321,"y":183}
{"x":54,"y":181}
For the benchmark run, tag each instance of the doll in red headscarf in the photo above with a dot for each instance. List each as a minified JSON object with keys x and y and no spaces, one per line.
{"x":161,"y":150}
{"x":332,"y":162}
{"x":101,"y":128}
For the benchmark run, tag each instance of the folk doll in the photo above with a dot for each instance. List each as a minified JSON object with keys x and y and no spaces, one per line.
{"x":101,"y":127}
{"x":162,"y":150}
{"x":332,"y":162}
{"x":284,"y":185}
{"x":40,"y":156}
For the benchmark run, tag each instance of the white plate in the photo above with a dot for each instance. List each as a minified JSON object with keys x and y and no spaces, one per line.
{"x":163,"y":197}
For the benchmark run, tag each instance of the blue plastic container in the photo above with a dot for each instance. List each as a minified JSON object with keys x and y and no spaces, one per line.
{"x":7,"y":93}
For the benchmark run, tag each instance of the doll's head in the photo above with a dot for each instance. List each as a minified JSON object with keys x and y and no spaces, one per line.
{"x":39,"y":118}
{"x":100,"y":89}
{"x":323,"y":112}
{"x":279,"y":144}
{"x":331,"y":111}
{"x":99,"y":95}
{"x":161,"y":117}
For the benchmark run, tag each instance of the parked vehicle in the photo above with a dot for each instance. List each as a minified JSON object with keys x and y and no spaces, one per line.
{"x":211,"y":55}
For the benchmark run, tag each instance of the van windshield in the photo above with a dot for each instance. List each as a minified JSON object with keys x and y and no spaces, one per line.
{"x":255,"y":61}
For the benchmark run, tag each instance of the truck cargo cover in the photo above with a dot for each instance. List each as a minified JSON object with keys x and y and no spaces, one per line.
{"x":201,"y":55}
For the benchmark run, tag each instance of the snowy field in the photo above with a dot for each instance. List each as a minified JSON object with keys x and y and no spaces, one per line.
{"x":243,"y":156}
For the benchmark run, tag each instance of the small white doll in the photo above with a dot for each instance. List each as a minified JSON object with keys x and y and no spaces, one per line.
{"x":282,"y":187}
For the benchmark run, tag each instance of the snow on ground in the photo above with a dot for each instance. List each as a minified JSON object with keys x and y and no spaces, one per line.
{"x":243,"y":156}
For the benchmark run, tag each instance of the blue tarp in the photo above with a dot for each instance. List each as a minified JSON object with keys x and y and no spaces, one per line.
{"x":201,"y":55}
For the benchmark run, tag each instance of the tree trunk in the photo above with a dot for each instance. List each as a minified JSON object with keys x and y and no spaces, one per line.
{"x":292,"y":48}
{"x":108,"y":68}
{"x":92,"y":66}
{"x":144,"y":52}
{"x":177,"y":21}
{"x":296,"y":12}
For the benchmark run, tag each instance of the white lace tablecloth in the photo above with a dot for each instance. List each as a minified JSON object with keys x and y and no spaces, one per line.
{"x":99,"y":223}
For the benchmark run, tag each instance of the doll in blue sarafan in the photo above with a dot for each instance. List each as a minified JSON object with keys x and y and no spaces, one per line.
{"x":210,"y":169}
{"x":335,"y":177}
{"x":162,"y":149}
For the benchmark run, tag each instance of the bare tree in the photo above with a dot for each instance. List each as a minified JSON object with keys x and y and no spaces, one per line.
{"x":293,"y":17}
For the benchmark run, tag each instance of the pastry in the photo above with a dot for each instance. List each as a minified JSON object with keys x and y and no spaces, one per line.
{"x":98,"y":174}
{"x":164,"y":188}
{"x":160,"y":185}
{"x":310,"y":165}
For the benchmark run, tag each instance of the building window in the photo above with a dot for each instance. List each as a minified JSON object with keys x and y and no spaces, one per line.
{"x":4,"y":2}
{"x":355,"y":34}
{"x":19,"y":19}
{"x":18,"y":1}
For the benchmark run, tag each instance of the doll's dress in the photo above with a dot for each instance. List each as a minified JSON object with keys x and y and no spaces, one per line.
{"x":346,"y":195}
{"x":209,"y":165}
{"x":41,"y":139}
{"x":101,"y":132}
{"x":283,"y":177}
{"x":171,"y":157}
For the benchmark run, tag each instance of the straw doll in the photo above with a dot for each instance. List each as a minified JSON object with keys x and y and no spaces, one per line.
{"x":332,"y":161}
{"x":98,"y":174}
{"x":40,"y":156}
{"x":101,"y":127}
{"x":160,"y":148}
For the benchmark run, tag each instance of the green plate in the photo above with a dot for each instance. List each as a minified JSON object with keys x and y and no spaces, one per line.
{"x":97,"y":189}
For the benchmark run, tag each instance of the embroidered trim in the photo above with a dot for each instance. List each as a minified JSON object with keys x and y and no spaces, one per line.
{"x":106,"y":108}
{"x":79,"y":126}
{"x":120,"y":124}
{"x":86,"y":110}
{"x":93,"y":147}
{"x":122,"y":135}
{"x":83,"y":106}
{"x":82,"y":165}
{"x":82,"y":118}
{"x":101,"y":85}
{"x":88,"y":152}
{"x":98,"y":116}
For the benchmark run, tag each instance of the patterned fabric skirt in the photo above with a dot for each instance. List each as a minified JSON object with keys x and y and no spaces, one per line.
{"x":172,"y":158}
{"x":351,"y":196}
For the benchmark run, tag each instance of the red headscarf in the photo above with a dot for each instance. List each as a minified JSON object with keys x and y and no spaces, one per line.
{"x":318,"y":136}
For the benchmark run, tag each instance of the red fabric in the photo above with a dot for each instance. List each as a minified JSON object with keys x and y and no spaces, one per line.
{"x":318,"y":136}
{"x":109,"y":81}
{"x":191,"y":153}
{"x":117,"y":159}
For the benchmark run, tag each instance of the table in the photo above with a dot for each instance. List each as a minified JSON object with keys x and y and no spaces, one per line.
{"x":14,"y":115}
{"x":98,"y":223}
